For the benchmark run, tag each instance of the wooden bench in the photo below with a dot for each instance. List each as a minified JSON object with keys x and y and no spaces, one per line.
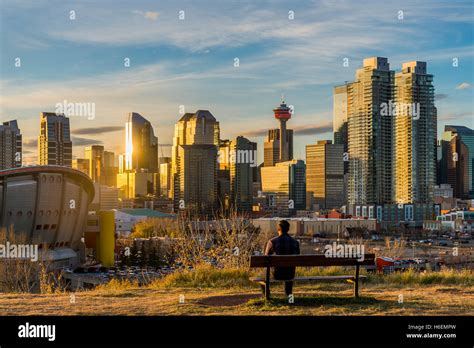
{"x":307,"y":261}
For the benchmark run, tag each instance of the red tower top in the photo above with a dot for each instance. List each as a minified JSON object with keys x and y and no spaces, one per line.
{"x":282,"y":112}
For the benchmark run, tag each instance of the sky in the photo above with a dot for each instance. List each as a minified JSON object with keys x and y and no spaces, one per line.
{"x":295,"y":48}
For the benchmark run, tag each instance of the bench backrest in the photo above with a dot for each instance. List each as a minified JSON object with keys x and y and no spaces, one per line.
{"x":307,"y":261}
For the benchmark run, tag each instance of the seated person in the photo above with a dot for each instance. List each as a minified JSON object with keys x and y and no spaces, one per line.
{"x":284,"y":244}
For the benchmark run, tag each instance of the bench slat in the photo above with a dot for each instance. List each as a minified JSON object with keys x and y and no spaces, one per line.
{"x":307,"y":261}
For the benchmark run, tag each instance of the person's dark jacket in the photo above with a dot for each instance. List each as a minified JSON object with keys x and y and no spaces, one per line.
{"x":283,"y":245}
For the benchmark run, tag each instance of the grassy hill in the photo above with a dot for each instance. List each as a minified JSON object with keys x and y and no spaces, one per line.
{"x":227,"y":292}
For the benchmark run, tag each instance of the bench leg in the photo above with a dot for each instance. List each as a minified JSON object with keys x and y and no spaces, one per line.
{"x":356,"y":282}
{"x":267,"y":284}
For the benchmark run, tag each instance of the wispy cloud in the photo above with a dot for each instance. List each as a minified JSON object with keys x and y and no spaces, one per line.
{"x":151,"y":15}
{"x":240,"y":24}
{"x":440,"y":96}
{"x":98,"y":130}
{"x":30,"y":143}
{"x":190,"y":62}
{"x":456,"y":116}
{"x":84,"y":141}
{"x":463,"y":85}
{"x":299,"y":130}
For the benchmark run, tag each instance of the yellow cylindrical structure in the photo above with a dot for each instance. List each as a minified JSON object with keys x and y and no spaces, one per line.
{"x":107,"y":238}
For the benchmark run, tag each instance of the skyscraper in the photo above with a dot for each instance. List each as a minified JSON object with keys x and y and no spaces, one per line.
{"x":242,"y":163}
{"x":54,"y":142}
{"x":165,"y":177}
{"x":95,"y":155}
{"x":102,"y":167}
{"x":110,"y":169}
{"x":456,"y":165}
{"x":197,"y":178}
{"x":223,"y":173}
{"x":271,"y":147}
{"x":287,"y":181}
{"x":325,"y":174}
{"x":137,"y":184}
{"x":414,"y":145}
{"x":194,"y":162}
{"x":141,"y":144}
{"x":370,"y":134}
{"x":138,"y":167}
{"x":10,"y":145}
{"x":340,"y":127}
{"x":340,"y":115}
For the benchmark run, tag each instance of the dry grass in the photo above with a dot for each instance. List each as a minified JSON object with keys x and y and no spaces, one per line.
{"x":445,"y":277}
{"x":318,"y":299}
{"x":205,"y":276}
{"x":212,"y":291}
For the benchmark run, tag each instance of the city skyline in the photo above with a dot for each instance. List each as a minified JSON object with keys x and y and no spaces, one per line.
{"x":195,"y":68}
{"x":179,"y":158}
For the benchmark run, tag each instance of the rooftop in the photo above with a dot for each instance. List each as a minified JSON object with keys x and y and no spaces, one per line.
{"x":198,"y":114}
{"x":146,"y":212}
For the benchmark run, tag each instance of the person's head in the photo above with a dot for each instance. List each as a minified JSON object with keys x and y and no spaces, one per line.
{"x":283,"y":227}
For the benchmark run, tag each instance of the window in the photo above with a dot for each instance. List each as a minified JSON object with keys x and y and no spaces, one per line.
{"x":408,"y":212}
{"x":379,"y":213}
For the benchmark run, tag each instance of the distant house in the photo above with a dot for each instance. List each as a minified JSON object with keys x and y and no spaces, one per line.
{"x":125,"y":219}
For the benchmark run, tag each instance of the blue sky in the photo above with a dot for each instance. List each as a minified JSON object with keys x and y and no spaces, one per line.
{"x":190,"y":62}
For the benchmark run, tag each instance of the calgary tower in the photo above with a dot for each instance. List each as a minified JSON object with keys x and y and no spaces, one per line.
{"x":283,"y":114}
